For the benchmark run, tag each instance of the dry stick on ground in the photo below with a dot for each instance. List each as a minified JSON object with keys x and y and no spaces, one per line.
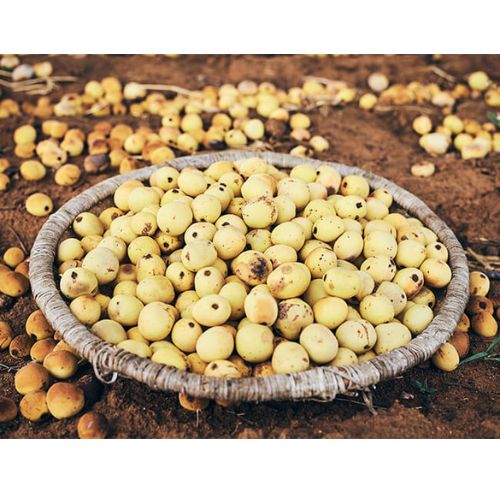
{"x":96,"y":108}
{"x":40,"y":89}
{"x":482,"y":259}
{"x":241,"y":416}
{"x":320,"y":79}
{"x":489,"y":265}
{"x":406,"y":107}
{"x":485,"y":241}
{"x":169,"y":88}
{"x":30,"y":87}
{"x":323,"y":101}
{"x":443,"y":74}
{"x":8,"y":369}
{"x":179,"y":90}
{"x":19,"y":240}
{"x":367,"y":401}
{"x":35,"y":86}
{"x":33,"y":81}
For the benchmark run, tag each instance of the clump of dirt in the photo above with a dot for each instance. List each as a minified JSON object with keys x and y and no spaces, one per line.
{"x":424,"y":402}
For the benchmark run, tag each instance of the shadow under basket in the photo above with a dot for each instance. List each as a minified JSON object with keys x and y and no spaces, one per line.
{"x":322,"y":383}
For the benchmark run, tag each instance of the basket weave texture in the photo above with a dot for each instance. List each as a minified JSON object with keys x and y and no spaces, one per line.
{"x":318,"y":383}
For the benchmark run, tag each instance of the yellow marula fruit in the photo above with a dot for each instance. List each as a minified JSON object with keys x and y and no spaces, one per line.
{"x":32,"y":170}
{"x":319,"y":342}
{"x":479,"y":80}
{"x":109,"y":331}
{"x":39,"y":204}
{"x":41,"y":348}
{"x":31,"y":377}
{"x":359,"y":336}
{"x":33,"y":406}
{"x":479,"y":284}
{"x":342,"y":283}
{"x":20,"y":346}
{"x":330,"y":311}
{"x":461,"y":342}
{"x":14,"y":284}
{"x":67,"y":175}
{"x":345,"y":357}
{"x":289,"y":280}
{"x":6,"y":335}
{"x":26,"y":134}
{"x":64,"y":400}
{"x":368,"y":101}
{"x":212,"y":310}
{"x":484,"y":324}
{"x":390,"y":336}
{"x":378,"y":82}
{"x":37,"y":326}
{"x":61,"y":364}
{"x":417,"y":318}
{"x":4,"y":182}
{"x":254,"y":343}
{"x":423,"y":169}
{"x":422,"y":125}
{"x":435,"y":143}
{"x":92,"y":425}
{"x":156,"y":321}
{"x":170,"y":357}
{"x":193,"y":404}
{"x":136,"y":347}
{"x":290,"y":357}
{"x":13,"y":256}
{"x":446,"y":358}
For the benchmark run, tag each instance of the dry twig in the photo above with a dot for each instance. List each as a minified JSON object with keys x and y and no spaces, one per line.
{"x":36,"y":86}
{"x":169,"y":88}
{"x":181,"y":91}
{"x":406,"y":107}
{"x":443,"y":74}
{"x":19,"y":240}
{"x":482,"y":259}
{"x":8,"y":369}
{"x":319,"y":79}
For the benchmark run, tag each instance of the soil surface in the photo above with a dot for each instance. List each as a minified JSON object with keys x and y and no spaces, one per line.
{"x":424,"y":402}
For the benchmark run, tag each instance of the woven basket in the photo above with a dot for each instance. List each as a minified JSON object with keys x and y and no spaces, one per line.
{"x":318,"y":383}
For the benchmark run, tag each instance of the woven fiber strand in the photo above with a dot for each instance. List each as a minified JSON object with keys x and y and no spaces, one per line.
{"x":319,"y":383}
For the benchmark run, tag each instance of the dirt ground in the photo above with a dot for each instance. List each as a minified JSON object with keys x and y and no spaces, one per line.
{"x":424,"y":403}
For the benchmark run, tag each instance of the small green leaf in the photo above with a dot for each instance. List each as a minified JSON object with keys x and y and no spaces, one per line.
{"x":493,"y":345}
{"x":496,"y":358}
{"x":474,"y":357}
{"x":424,"y":387}
{"x":493,"y":118}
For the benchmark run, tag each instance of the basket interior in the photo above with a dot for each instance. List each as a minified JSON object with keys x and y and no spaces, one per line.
{"x":321,"y":382}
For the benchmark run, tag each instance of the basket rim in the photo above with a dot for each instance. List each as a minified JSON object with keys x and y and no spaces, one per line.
{"x":320,"y":382}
